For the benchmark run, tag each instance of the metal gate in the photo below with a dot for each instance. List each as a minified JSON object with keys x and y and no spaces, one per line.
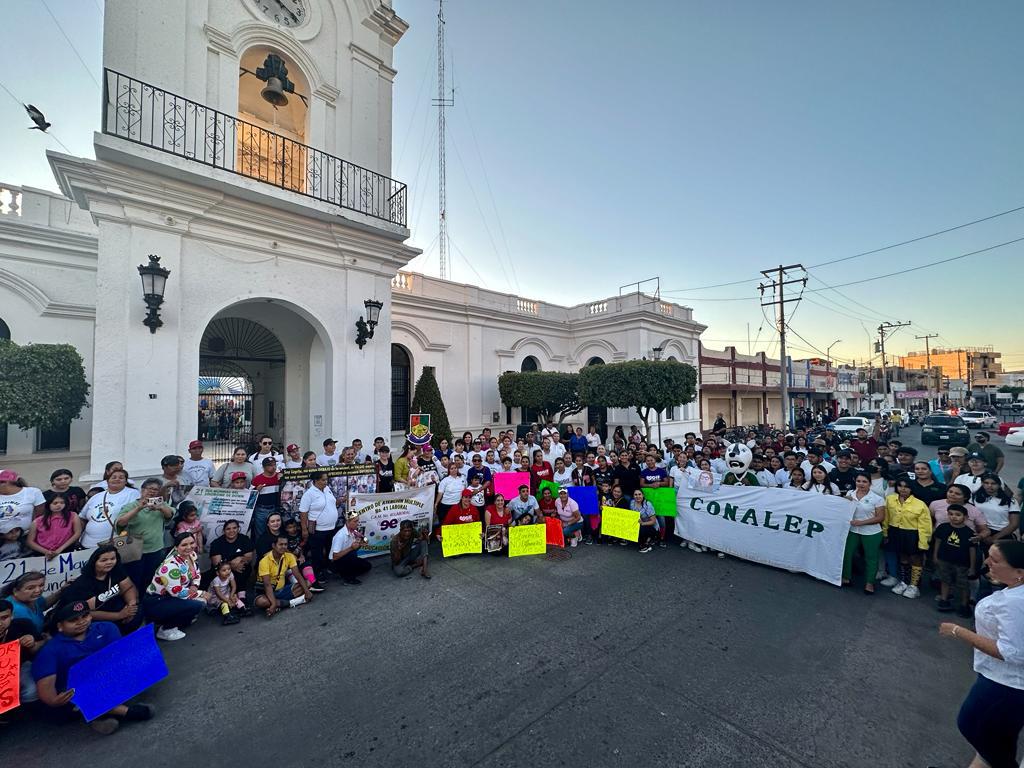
{"x":225,"y":421}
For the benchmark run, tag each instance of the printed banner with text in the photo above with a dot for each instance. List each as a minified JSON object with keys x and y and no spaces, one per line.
{"x":380,"y":515}
{"x":782,"y":527}
{"x":218,"y":505}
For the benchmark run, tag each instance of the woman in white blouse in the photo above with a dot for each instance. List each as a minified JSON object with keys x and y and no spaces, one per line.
{"x":992,"y":715}
{"x":865,"y":530}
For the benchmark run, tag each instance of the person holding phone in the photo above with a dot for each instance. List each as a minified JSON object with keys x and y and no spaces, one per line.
{"x":151,"y":513}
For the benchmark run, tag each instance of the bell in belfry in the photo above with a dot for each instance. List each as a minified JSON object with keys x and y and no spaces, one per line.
{"x":275,"y":74}
{"x":274,"y":93}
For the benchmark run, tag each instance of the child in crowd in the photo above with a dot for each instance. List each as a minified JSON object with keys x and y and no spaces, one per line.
{"x":297,"y":547}
{"x":56,"y":530}
{"x":186,"y":520}
{"x":478,"y":499}
{"x":11,"y":546}
{"x":955,"y":559}
{"x":223,"y":595}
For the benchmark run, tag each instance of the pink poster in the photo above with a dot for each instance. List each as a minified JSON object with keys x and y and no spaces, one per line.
{"x":507,"y":483}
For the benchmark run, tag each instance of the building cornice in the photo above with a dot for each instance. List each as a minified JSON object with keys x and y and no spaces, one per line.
{"x":387,"y":24}
{"x":43,"y":304}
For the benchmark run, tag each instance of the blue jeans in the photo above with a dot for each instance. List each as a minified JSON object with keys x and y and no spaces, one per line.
{"x":260,"y":515}
{"x":572,"y":528}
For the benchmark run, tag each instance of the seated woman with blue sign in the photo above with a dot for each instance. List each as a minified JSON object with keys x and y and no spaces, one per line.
{"x":77,"y":638}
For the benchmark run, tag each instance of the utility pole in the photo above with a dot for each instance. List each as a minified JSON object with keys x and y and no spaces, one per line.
{"x":441,"y":102}
{"x":928,"y":363}
{"x":778,"y":286}
{"x":881,"y":345}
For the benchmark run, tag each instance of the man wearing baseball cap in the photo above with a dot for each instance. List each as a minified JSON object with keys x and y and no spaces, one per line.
{"x":294,"y":458}
{"x":976,"y":468}
{"x":329,"y":457}
{"x":77,"y":638}
{"x":993,"y":454}
{"x":197,"y":470}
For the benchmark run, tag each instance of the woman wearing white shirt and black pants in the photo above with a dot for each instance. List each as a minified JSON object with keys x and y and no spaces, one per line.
{"x":992,"y":715}
{"x":318,"y":514}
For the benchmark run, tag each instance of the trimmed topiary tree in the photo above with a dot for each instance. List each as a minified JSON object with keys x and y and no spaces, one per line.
{"x":42,"y":386}
{"x":427,"y":399}
{"x":645,"y":385}
{"x":550,"y":393}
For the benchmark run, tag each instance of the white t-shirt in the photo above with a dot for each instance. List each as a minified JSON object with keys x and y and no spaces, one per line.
{"x":997,"y":515}
{"x":93,"y":514}
{"x":563,"y":478}
{"x":766,"y":478}
{"x":257,"y":460}
{"x":342,"y":540}
{"x":292,"y":464}
{"x":451,"y":489}
{"x":327,"y":459}
{"x":782,"y":477}
{"x":971,"y":481}
{"x":16,"y":509}
{"x":321,"y":508}
{"x":864,"y":509}
{"x":1000,"y":616}
{"x":593,"y":440}
{"x":679,"y":477}
{"x":197,"y":472}
{"x":815,"y":488}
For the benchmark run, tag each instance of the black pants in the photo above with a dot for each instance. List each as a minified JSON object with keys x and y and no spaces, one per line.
{"x":319,"y":542}
{"x":350,"y":566}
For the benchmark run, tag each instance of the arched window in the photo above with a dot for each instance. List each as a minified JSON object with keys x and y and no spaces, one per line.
{"x":594,"y":361}
{"x":401,"y":388}
{"x":5,"y":331}
{"x":529,"y":364}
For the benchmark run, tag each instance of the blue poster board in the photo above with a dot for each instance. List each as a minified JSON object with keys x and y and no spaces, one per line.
{"x":113,"y":675}
{"x":586,"y":497}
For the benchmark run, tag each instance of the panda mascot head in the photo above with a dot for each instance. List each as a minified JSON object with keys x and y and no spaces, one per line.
{"x":738,"y":457}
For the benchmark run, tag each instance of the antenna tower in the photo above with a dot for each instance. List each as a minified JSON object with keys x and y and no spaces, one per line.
{"x":441,"y":102}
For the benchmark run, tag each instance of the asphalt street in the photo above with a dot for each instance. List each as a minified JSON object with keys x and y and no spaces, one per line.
{"x":607,"y":658}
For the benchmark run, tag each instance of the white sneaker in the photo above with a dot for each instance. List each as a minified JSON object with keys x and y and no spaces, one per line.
{"x":573,"y":543}
{"x":899,"y":589}
{"x":912,"y":592}
{"x":170,"y":633}
{"x":889,"y":581}
{"x":695,"y":547}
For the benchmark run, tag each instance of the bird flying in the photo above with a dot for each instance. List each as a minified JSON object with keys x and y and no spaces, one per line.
{"x":38,"y":118}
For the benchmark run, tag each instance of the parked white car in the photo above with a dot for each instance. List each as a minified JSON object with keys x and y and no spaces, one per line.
{"x":847,"y":426}
{"x":979,"y":419}
{"x":1015,"y":437}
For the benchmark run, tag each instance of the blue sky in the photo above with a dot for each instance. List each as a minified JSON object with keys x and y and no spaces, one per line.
{"x":595,"y":143}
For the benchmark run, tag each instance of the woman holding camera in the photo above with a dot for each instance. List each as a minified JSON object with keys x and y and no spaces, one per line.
{"x":149,"y":513}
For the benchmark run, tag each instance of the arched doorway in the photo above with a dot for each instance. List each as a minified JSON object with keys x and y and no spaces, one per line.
{"x":597,"y":415}
{"x":529,"y":415}
{"x":239,"y":359}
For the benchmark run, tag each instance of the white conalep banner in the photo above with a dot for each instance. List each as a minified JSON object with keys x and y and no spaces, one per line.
{"x":380,"y":515}
{"x":783,"y":527}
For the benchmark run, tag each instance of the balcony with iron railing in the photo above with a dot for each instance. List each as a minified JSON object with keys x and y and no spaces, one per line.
{"x":144,"y":114}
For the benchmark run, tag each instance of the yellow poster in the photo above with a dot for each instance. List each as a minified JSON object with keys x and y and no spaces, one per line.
{"x":527,"y":540}
{"x":620,"y":523}
{"x":462,"y":539}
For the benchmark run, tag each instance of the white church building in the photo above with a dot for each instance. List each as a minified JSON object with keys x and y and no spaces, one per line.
{"x":250,"y":151}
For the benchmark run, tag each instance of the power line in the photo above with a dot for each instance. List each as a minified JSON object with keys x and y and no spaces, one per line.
{"x":73,"y":48}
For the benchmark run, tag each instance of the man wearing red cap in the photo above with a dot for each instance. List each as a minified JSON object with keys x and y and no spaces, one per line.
{"x":294,"y":458}
{"x":197,"y":470}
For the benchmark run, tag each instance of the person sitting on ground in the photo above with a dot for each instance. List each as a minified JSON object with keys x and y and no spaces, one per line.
{"x":56,"y":530}
{"x":345,"y":546}
{"x":546,"y":502}
{"x":463,"y":512}
{"x":25,"y":594}
{"x":223,"y":595}
{"x":955,"y":558}
{"x":105,"y":587}
{"x":284,"y":586}
{"x":235,"y":548}
{"x":77,"y":638}
{"x":409,"y":550}
{"x":498,"y":514}
{"x":173,"y":599}
{"x":29,"y":639}
{"x":648,"y":521}
{"x":568,"y":512}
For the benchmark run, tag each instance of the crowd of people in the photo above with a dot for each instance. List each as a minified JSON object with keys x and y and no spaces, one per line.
{"x":949,"y":515}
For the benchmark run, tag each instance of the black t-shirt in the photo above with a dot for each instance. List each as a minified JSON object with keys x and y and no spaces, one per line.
{"x":928,"y":494}
{"x":954,"y":544}
{"x":845,"y":480}
{"x":603,"y":475}
{"x":385,"y":476}
{"x":76,"y":498}
{"x":628,"y":479}
{"x":229,"y":550}
{"x":107,"y":590}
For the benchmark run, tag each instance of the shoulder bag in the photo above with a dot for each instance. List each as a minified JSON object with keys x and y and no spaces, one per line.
{"x":128,"y":547}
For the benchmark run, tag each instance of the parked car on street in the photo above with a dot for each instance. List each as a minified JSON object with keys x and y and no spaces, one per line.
{"x":847,"y":426}
{"x":1015,"y":437}
{"x":978,"y":419}
{"x":944,"y":429}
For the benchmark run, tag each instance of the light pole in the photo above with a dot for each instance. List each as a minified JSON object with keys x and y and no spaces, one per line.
{"x":828,"y":368}
{"x":656,"y":354}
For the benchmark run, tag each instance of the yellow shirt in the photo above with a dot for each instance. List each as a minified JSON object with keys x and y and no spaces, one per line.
{"x":277,"y":570}
{"x":910,"y":515}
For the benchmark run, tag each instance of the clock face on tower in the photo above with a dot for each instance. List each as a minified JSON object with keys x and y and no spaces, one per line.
{"x":285,"y":13}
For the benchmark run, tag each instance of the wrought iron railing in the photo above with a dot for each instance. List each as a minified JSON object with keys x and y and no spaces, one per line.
{"x":152,"y":117}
